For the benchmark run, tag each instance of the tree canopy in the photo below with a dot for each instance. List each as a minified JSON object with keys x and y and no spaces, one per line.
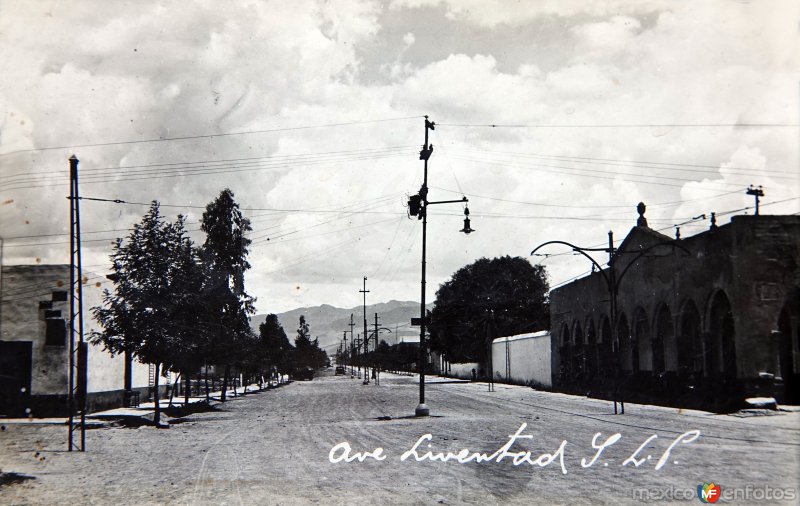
{"x":224,"y":255}
{"x":156,"y":284}
{"x":277,"y":349}
{"x":307,"y":353}
{"x":487,"y":299}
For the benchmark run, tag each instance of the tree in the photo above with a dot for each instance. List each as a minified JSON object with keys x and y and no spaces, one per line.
{"x":488,"y":299}
{"x":224,"y":254}
{"x":307,"y":352}
{"x":155,"y":285}
{"x":275,"y":344}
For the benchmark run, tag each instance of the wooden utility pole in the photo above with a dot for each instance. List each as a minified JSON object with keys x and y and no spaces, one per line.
{"x":366,"y":337}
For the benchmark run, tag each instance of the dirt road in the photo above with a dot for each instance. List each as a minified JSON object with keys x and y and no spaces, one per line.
{"x":274,"y":447}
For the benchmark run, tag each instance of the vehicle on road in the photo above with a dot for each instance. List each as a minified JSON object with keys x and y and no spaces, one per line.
{"x":340,"y":370}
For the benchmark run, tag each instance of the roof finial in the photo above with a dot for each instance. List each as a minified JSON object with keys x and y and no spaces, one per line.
{"x":642,"y":221}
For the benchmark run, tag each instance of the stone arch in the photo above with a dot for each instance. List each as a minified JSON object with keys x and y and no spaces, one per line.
{"x":626,"y":345}
{"x":565,"y":353}
{"x":665,"y":349}
{"x":578,"y":351}
{"x":591,"y":349}
{"x":643,"y":354}
{"x":690,"y":340}
{"x":788,"y":326}
{"x":721,"y":342}
{"x":605,"y":348}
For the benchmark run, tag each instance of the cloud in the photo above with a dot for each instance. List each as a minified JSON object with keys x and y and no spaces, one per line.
{"x":149,"y":71}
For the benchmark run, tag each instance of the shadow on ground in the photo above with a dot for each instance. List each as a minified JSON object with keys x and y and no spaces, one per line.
{"x":13,"y":478}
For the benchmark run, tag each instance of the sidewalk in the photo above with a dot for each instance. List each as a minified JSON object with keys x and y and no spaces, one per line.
{"x":144,"y":412}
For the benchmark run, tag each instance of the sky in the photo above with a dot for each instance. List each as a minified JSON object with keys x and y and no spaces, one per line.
{"x":554,"y":118}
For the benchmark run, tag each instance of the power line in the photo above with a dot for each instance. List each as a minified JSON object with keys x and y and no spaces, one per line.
{"x":579,"y":174}
{"x":180,"y":172}
{"x":204,"y":164}
{"x":684,"y":167}
{"x":623,"y":125}
{"x":209,"y":136}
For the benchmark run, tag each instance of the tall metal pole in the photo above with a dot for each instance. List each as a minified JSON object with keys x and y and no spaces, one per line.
{"x":366,"y":337}
{"x":76,"y":312}
{"x":615,"y":345}
{"x":344,"y":353}
{"x":375,"y":362}
{"x":352,"y":348}
{"x":422,"y":408}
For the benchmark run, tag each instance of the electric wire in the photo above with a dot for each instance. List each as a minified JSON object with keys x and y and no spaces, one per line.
{"x":209,"y":136}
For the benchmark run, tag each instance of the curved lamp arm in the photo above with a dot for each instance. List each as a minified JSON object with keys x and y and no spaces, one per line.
{"x":580,"y":250}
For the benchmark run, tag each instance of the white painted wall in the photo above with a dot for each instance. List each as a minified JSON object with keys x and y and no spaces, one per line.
{"x":464,"y":371}
{"x":529,"y":359}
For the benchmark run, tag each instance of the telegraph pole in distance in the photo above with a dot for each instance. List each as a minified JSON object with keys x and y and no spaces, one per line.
{"x":366,"y":338}
{"x":344,"y":353}
{"x":352,"y":348}
{"x":375,"y":365}
{"x":757,"y":193}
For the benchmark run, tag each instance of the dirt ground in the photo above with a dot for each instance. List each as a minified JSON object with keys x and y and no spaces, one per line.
{"x":274,"y":447}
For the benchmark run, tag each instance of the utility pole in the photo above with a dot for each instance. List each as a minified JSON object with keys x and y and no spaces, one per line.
{"x":612,"y":288}
{"x":344,"y":354}
{"x":757,"y":193}
{"x":366,"y":338}
{"x":352,"y":348}
{"x":78,"y":352}
{"x":418,"y":206}
{"x":376,"y":364}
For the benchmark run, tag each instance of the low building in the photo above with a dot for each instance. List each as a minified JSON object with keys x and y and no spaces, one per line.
{"x":34,"y":346}
{"x":703,"y":321}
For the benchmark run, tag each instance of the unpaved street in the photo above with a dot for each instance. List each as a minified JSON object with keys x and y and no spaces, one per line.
{"x":273,"y":447}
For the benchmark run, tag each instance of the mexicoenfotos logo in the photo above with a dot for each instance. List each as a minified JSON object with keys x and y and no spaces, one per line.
{"x":708,"y":492}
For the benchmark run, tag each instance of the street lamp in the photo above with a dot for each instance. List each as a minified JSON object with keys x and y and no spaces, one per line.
{"x":612,"y":283}
{"x":418,"y":206}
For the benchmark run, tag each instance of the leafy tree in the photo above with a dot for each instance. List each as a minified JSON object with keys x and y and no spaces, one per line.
{"x":488,"y":299}
{"x":277,"y":350}
{"x":189,"y":315}
{"x":224,"y":254}
{"x":150,"y":311}
{"x":307,"y":352}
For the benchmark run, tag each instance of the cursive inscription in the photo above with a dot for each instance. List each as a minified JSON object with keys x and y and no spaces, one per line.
{"x":422,"y":450}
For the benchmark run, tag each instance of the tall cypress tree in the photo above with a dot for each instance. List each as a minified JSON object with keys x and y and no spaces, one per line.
{"x":224,"y":256}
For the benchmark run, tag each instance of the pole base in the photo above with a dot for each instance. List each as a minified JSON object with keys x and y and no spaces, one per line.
{"x":422,"y":410}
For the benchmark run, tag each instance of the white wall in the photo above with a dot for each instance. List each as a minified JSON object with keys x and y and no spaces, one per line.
{"x":529,"y":356}
{"x":464,"y":371}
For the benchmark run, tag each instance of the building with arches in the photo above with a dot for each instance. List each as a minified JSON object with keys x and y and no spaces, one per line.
{"x":703,"y":321}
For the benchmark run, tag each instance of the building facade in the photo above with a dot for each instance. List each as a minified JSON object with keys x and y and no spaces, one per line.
{"x":705,"y":321}
{"x":34,"y":346}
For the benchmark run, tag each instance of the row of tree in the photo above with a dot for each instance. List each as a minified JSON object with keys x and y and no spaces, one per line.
{"x":181,"y":307}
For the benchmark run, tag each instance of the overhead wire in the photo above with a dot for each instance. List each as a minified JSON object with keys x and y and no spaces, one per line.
{"x":680,"y":167}
{"x":209,"y":136}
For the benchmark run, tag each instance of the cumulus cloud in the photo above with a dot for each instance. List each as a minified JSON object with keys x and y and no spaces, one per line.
{"x":327,"y":204}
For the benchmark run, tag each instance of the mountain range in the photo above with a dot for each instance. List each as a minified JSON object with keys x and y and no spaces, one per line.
{"x":328,"y":323}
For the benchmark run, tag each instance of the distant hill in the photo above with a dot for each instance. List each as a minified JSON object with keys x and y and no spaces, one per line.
{"x":328,"y":322}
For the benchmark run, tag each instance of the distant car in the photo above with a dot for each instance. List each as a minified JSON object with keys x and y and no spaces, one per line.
{"x":340,"y":370}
